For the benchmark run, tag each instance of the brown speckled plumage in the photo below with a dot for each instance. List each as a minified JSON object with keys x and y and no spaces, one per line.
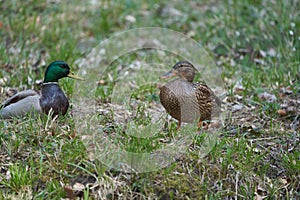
{"x":187,"y":101}
{"x":170,"y":102}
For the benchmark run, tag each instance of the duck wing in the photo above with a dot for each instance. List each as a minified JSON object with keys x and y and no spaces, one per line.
{"x":20,"y":104}
{"x":209,"y":103}
{"x":19,"y":96}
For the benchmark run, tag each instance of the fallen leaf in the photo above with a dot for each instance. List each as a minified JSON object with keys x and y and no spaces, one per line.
{"x":130,"y":18}
{"x":270,"y":98}
{"x":237,"y":107}
{"x":258,"y":197}
{"x":101,"y":82}
{"x":238,"y":87}
{"x":286,"y":90}
{"x":281,"y":112}
{"x":272,"y":52}
{"x":78,"y":187}
{"x":69,"y":192}
{"x":284,"y":181}
{"x":291,"y":109}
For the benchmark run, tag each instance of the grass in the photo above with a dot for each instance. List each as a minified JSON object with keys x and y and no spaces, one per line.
{"x":254,"y":43}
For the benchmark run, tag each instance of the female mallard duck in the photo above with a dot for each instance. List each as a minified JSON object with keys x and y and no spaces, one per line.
{"x":187,"y":101}
{"x":50,"y":98}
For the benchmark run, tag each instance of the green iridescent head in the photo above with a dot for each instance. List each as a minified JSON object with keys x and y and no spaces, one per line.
{"x":57,"y":70}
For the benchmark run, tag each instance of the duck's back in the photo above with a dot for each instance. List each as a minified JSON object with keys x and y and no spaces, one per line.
{"x":52,"y":97}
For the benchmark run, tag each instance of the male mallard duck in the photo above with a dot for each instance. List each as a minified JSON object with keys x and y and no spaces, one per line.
{"x":187,"y":101}
{"x":51,"y":96}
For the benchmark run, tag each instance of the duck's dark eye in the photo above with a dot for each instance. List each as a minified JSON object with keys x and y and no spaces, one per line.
{"x":63,"y":66}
